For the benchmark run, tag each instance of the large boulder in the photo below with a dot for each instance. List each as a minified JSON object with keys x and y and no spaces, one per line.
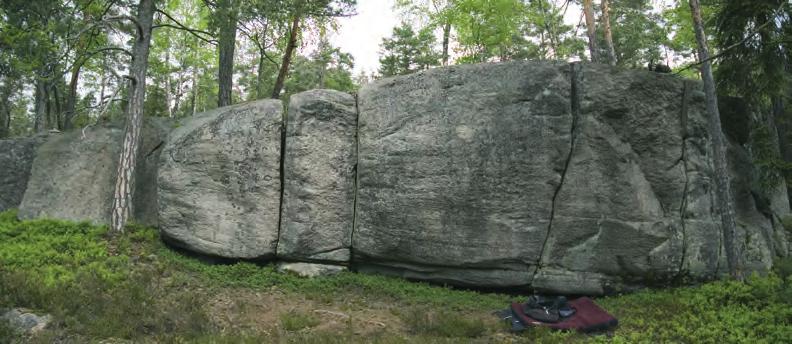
{"x":319,"y":160}
{"x":219,"y":181}
{"x":458,"y":168}
{"x":581,"y":179}
{"x":16,"y":159}
{"x":74,"y":174}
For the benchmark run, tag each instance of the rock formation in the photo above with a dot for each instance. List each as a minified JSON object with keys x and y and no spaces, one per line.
{"x":319,"y":177}
{"x":580,"y":179}
{"x":73,"y":174}
{"x":219,"y":182}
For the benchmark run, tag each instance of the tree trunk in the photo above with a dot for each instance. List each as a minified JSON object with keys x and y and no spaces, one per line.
{"x":608,"y":34}
{"x":40,"y":106}
{"x":446,"y":39}
{"x":134,"y":118}
{"x":591,"y":30}
{"x":260,"y":76}
{"x":783,"y":129}
{"x":57,"y":110}
{"x":5,"y":108}
{"x":194,"y":92}
{"x":226,"y":46}
{"x":287,"y":56}
{"x":168,"y":83}
{"x":71,"y":98}
{"x":721,"y":171}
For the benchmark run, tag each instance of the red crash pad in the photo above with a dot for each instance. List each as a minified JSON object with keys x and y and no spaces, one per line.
{"x":588,"y":317}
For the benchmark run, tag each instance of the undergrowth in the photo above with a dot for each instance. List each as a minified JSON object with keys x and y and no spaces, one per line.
{"x":132,"y":287}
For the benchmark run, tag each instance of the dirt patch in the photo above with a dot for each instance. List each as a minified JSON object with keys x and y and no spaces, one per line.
{"x":244,"y":310}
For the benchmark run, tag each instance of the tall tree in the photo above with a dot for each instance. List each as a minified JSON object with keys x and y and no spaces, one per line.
{"x":609,"y":49}
{"x":488,"y":30}
{"x":301,"y":10}
{"x":591,"y":30}
{"x":407,"y":51}
{"x":721,"y":170}
{"x":288,"y":53}
{"x":226,"y":14}
{"x":755,"y":42}
{"x":436,"y":13}
{"x":122,"y":197}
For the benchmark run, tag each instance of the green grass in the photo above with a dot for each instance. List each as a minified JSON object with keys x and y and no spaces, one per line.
{"x":423,"y":321}
{"x":132,"y":287}
{"x":295,"y":321}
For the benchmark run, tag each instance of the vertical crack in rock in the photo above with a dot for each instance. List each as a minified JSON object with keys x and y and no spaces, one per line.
{"x":284,"y":124}
{"x":683,"y":119}
{"x":357,"y":180}
{"x":576,"y":95}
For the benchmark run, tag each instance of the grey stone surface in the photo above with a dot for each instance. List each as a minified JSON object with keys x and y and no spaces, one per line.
{"x":622,"y":211}
{"x":319,"y":177}
{"x":73,"y":175}
{"x":530,"y":174}
{"x":457,"y":171}
{"x":310,"y":270}
{"x":219,"y":181}
{"x":16,"y":159}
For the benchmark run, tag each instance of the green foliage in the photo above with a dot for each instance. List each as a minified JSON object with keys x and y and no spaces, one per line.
{"x":56,"y":252}
{"x":771,"y":169}
{"x":408,"y":51}
{"x":638,"y":36}
{"x":87,"y":281}
{"x":783,"y":267}
{"x":787,"y":223}
{"x":487,"y":29}
{"x":327,"y":68}
{"x":728,"y":311}
{"x":757,"y":65}
{"x":158,"y":295}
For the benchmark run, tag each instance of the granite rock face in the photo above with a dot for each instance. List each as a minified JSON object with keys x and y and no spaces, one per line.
{"x":579,"y":179}
{"x":457,"y":171}
{"x":16,"y":159}
{"x":219,"y":181}
{"x":74,"y":173}
{"x":319,"y":177}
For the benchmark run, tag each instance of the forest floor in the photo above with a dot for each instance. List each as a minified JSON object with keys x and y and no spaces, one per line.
{"x":131,"y":288}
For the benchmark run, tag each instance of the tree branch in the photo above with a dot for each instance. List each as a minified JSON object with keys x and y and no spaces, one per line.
{"x":735,"y":45}
{"x":195,"y":32}
{"x":126,"y":17}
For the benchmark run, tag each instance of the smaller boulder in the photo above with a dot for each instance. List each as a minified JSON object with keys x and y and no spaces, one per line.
{"x":25,"y":321}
